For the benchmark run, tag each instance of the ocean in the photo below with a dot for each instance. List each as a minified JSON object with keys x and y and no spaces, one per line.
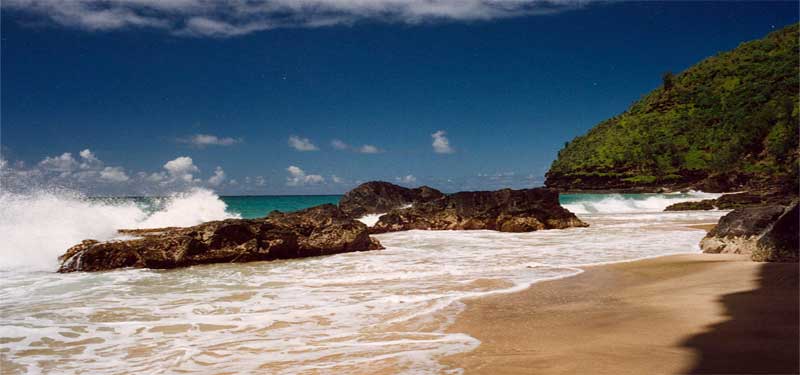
{"x":365,"y":312}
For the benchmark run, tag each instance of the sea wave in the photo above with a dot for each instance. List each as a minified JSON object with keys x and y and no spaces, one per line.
{"x":37,"y":227}
{"x":628,"y":203}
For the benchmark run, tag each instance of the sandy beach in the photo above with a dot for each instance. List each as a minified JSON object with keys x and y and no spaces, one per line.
{"x":703,"y":313}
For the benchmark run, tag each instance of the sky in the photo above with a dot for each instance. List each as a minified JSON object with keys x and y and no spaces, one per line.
{"x":146,"y":97}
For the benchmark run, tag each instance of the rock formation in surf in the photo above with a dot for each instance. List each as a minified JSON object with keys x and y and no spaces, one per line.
{"x":766,"y":233}
{"x":377,"y":197}
{"x":502,"y":210}
{"x":320,"y":230}
{"x":325,"y":229}
{"x":732,"y":201}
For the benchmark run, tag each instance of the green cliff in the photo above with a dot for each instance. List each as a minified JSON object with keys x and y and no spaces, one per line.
{"x":728,"y":122}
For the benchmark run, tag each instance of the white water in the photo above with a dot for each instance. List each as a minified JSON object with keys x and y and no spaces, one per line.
{"x":350,"y":313}
{"x":37,"y":227}
{"x":630,"y":203}
{"x":371,"y":219}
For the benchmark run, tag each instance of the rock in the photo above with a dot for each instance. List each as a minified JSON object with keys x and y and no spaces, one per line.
{"x":705,"y":204}
{"x":319,"y":230}
{"x":377,"y":197}
{"x":738,"y":200}
{"x":780,"y":243}
{"x":503,"y":210}
{"x":766,"y":233}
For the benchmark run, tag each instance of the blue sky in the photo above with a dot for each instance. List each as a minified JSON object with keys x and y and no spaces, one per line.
{"x":316,"y":96}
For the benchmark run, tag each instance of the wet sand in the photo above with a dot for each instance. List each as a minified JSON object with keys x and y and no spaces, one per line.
{"x":703,"y":313}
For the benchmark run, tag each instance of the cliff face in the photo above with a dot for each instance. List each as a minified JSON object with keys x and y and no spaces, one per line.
{"x":728,"y":122}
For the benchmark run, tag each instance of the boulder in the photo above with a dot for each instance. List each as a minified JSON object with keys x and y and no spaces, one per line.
{"x":503,"y":210}
{"x":738,"y":200}
{"x":780,"y":242}
{"x":705,"y":204}
{"x":377,"y":197}
{"x":319,"y":230}
{"x":765,"y":233}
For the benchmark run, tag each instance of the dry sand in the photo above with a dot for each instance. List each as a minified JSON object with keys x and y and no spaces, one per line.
{"x":704,"y":313}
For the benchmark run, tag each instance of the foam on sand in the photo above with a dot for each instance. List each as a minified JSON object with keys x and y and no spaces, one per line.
{"x":377,"y":311}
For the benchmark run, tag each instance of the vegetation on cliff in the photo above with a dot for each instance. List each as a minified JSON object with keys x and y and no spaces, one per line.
{"x":727,"y":121}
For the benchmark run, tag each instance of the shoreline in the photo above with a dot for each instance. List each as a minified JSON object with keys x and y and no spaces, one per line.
{"x":687,"y":313}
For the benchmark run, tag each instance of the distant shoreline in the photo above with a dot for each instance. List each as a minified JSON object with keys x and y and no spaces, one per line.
{"x":691,"y":313}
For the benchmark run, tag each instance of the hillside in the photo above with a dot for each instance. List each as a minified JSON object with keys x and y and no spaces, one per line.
{"x":728,"y":122}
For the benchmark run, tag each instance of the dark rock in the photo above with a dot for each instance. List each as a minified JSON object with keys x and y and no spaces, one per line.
{"x":780,"y":243}
{"x":766,"y":233}
{"x":705,"y":204}
{"x":319,"y":230}
{"x":503,"y":210}
{"x":377,"y":197}
{"x":738,"y":200}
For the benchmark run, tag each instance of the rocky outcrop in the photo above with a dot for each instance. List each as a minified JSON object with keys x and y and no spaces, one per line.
{"x":503,"y":210}
{"x":739,"y":200}
{"x":377,"y":197}
{"x":766,"y":233}
{"x":319,"y":230}
{"x":705,"y":204}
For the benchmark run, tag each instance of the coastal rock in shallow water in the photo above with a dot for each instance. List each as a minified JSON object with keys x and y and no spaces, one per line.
{"x":377,"y":197}
{"x":503,"y":210}
{"x":320,"y":230}
{"x":738,"y":200}
{"x":705,"y":204}
{"x":767,"y":233}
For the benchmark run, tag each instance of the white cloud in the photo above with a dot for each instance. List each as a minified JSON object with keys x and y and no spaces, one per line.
{"x":368,"y":149}
{"x":217,"y":178}
{"x":63,"y":163}
{"x":298,"y":177}
{"x":202,"y":140}
{"x":231,"y":18}
{"x":441,"y":145}
{"x":336,"y":179}
{"x":88,"y":156}
{"x":302,"y":144}
{"x":408,"y":179}
{"x":157,"y":177}
{"x":338,"y":144}
{"x":114,"y":174}
{"x":181,"y":168}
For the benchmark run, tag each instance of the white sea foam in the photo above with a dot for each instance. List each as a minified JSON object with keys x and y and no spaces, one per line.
{"x":378,"y":311}
{"x":629,"y":203}
{"x":37,"y":227}
{"x":370,"y":219}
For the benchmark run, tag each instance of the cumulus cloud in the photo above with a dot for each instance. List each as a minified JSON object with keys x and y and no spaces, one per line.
{"x":338,"y":144}
{"x":336,"y":179}
{"x":212,"y":18}
{"x":441,"y":145}
{"x":218,"y":178}
{"x":298,"y":177}
{"x":181,"y":168}
{"x":63,"y":163}
{"x":88,"y":174}
{"x":203,"y":140}
{"x":302,"y":144}
{"x":114,"y":174}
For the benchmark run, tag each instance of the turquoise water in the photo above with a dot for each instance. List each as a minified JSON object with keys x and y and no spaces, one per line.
{"x":256,"y":206}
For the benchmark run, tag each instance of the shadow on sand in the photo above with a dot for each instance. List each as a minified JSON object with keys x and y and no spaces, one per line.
{"x":761,"y":334}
